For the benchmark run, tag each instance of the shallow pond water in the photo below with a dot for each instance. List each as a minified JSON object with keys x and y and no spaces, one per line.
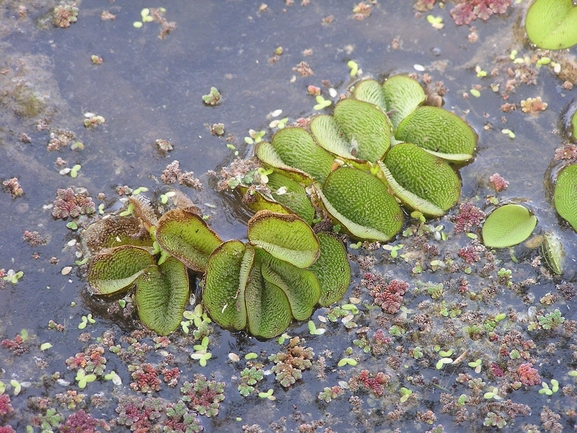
{"x":148,"y":88}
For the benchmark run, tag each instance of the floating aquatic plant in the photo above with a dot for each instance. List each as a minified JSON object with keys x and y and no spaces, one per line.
{"x":361,"y":161}
{"x":552,"y":24}
{"x":260,"y":285}
{"x":508,"y":225}
{"x":564,"y":194}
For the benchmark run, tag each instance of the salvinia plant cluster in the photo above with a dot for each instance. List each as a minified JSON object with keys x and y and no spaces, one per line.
{"x":281,"y":273}
{"x":380,"y":149}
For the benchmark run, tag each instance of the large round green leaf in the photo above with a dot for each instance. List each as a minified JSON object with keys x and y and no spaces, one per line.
{"x":371,"y":91}
{"x":565,"y":194}
{"x":552,"y":24}
{"x":286,"y":237}
{"x":300,"y":286}
{"x":362,"y":204}
{"x":268,"y":309}
{"x":162,"y":293}
{"x":508,"y":225}
{"x":225,"y":281}
{"x":422,"y":181}
{"x":439,"y":132}
{"x":295,"y":147}
{"x":187,"y":237}
{"x":366,"y":127}
{"x":332,"y":269}
{"x":116,"y":269}
{"x":402,"y":95}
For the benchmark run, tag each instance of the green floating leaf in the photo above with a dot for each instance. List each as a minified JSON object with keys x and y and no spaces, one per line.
{"x":300,"y":286}
{"x":162,"y":293}
{"x":225,"y":282}
{"x":292,"y":195}
{"x":366,"y":127}
{"x":552,"y":24}
{"x":362,"y":204}
{"x":329,"y":136}
{"x":114,"y":231}
{"x":439,"y":132}
{"x":296,"y":148}
{"x":422,"y":181}
{"x":116,"y":269}
{"x":553,"y":252}
{"x":402,"y":95}
{"x":186,"y":236}
{"x":268,"y":309}
{"x":508,"y":225}
{"x":565,"y":195}
{"x":371,"y":91}
{"x":286,"y":237}
{"x":332,"y":270}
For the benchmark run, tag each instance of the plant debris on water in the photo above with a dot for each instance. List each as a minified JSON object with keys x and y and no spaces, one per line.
{"x":436,"y":332}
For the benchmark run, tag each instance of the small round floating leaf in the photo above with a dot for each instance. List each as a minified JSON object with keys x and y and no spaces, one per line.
{"x":329,"y":136}
{"x":565,"y":195}
{"x":366,"y":127}
{"x":439,"y":132}
{"x":286,"y":237}
{"x":225,"y":281}
{"x":300,"y":286}
{"x":362,"y":204}
{"x":268,"y":309}
{"x":402,"y":95}
{"x":116,"y":269}
{"x":186,"y":236}
{"x":162,"y":293}
{"x":508,"y":225}
{"x":422,"y":181}
{"x":296,"y":148}
{"x":371,"y":91}
{"x":552,"y":24}
{"x":293,"y":196}
{"x":332,"y":269}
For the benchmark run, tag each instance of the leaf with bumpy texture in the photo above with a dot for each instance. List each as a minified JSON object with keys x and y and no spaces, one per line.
{"x":286,"y":237}
{"x":161,"y":296}
{"x":565,"y":194}
{"x":116,"y":269}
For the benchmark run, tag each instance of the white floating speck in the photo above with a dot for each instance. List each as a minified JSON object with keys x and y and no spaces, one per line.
{"x":333,"y":92}
{"x":62,"y":382}
{"x":233,"y":357}
{"x":419,"y":68}
{"x":71,"y":242}
{"x":276,"y":113}
{"x":66,"y":270}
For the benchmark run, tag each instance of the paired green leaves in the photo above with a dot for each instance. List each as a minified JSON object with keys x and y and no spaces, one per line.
{"x":162,"y":290}
{"x":565,"y":195}
{"x":508,"y":225}
{"x":262,"y":285}
{"x":552,"y":24}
